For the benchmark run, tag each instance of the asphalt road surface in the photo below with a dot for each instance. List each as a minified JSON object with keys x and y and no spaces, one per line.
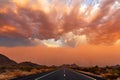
{"x":60,"y":74}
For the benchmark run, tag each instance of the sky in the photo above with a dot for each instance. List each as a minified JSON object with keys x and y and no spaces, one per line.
{"x":85,"y":32}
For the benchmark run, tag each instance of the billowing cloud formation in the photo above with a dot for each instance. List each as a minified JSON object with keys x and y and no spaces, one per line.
{"x":57,"y":23}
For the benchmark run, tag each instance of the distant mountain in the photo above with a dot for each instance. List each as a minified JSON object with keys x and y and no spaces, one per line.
{"x":5,"y":61}
{"x":28,"y":64}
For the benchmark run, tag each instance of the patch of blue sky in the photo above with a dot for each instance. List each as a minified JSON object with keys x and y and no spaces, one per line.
{"x":69,"y":3}
{"x":50,"y":1}
{"x":90,"y":2}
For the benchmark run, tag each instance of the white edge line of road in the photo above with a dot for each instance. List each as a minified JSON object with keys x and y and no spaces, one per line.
{"x":45,"y":75}
{"x":88,"y":76}
{"x":84,"y":75}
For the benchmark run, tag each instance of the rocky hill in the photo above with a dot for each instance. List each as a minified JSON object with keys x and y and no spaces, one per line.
{"x":4,"y":61}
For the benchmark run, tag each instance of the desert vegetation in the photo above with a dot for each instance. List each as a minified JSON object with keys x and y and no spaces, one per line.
{"x":10,"y":69}
{"x":107,"y":72}
{"x":10,"y":72}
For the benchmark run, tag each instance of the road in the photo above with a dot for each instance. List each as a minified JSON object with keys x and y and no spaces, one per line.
{"x":60,"y":74}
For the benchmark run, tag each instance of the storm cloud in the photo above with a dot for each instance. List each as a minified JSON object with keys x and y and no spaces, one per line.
{"x":57,"y":23}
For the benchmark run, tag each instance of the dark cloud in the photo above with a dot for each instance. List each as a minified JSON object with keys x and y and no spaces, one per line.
{"x":20,"y":26}
{"x":4,"y":3}
{"x":27,"y":24}
{"x":15,"y":41}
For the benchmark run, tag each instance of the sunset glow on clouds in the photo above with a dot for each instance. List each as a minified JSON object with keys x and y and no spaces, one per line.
{"x":59,"y":23}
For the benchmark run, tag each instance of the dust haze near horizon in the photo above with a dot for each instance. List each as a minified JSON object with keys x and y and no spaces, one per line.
{"x":86,"y":32}
{"x":88,"y":55}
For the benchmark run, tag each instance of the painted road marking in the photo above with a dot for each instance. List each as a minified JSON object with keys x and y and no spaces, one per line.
{"x":84,"y":75}
{"x":45,"y":75}
{"x":64,"y":75}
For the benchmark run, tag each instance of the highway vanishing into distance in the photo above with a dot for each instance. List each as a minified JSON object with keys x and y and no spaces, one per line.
{"x":60,"y":74}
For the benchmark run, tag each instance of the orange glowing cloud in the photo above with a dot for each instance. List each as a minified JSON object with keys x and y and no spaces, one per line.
{"x":7,"y":29}
{"x":21,"y":3}
{"x":4,"y":10}
{"x":61,"y":23}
